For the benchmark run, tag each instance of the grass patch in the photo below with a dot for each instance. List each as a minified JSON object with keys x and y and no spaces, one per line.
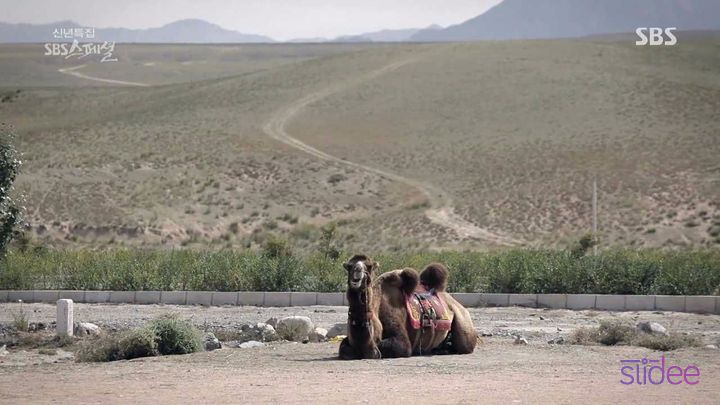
{"x":163,"y":336}
{"x":616,"y":332}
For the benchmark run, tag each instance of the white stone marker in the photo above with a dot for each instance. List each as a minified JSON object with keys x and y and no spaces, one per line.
{"x":65,"y":317}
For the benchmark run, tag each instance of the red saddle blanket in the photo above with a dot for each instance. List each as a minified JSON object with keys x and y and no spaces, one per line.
{"x":427,"y":310}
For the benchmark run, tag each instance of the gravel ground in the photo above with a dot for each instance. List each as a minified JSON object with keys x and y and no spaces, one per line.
{"x":498,"y":372}
{"x":534,"y":324}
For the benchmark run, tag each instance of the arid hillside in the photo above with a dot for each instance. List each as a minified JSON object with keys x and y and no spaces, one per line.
{"x":400,"y":147}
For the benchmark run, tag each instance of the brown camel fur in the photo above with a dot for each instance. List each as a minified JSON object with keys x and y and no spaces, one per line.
{"x":399,"y":339}
{"x":363,"y":295}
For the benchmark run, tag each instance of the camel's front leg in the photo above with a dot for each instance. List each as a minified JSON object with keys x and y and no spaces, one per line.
{"x":346,"y":351}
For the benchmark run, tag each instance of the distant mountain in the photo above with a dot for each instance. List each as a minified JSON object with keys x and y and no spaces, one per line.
{"x":183,"y":31}
{"x":385,"y":35}
{"x":401,"y":35}
{"x":524,"y":19}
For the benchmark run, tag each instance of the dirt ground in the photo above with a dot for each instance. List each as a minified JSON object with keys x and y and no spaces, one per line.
{"x":498,"y":372}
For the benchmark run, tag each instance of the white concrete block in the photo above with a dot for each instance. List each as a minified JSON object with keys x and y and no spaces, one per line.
{"x":580,"y":301}
{"x":469,"y":300}
{"x":495,"y":300}
{"x":610,"y":302}
{"x":97,"y":297}
{"x":523,"y":300}
{"x":122,"y":297}
{"x":64,"y":322}
{"x":700,"y":304}
{"x":75,"y":295}
{"x":199,"y":298}
{"x":173,"y":297}
{"x":639,"y":302}
{"x":251,"y":298}
{"x":147,"y":297}
{"x":303,"y":299}
{"x":16,"y":295}
{"x":277,"y":299}
{"x":554,"y":301}
{"x":670,"y":303}
{"x":46,"y":296}
{"x":330,"y":299}
{"x":220,"y":298}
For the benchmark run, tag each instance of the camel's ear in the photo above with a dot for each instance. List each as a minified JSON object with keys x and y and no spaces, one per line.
{"x":376,"y":266}
{"x":347,"y":266}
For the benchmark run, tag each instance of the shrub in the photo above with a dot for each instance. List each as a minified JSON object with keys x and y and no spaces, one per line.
{"x":136,"y":343}
{"x":10,"y":209}
{"x":617,"y":332}
{"x":175,"y":336}
{"x":20,"y":319}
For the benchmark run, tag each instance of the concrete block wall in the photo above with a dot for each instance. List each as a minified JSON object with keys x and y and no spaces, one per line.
{"x":675,"y":303}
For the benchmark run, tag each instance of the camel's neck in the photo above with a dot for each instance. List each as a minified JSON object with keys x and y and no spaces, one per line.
{"x":360,"y":311}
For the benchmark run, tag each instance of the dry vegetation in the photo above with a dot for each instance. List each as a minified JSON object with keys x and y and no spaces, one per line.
{"x":513,"y":131}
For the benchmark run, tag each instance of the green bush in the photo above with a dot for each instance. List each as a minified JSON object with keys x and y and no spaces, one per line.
{"x":165,"y":335}
{"x":277,"y":268}
{"x":175,"y":336}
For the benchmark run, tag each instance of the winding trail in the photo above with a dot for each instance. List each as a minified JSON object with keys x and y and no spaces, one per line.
{"x":441,"y":210}
{"x":72,"y":71}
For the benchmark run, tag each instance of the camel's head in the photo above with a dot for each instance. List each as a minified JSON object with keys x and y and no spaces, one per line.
{"x":360,"y":270}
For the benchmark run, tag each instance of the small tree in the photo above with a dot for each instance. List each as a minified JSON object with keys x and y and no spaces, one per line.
{"x":10,"y":210}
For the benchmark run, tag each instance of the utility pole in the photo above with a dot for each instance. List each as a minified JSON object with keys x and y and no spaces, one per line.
{"x":594,"y":208}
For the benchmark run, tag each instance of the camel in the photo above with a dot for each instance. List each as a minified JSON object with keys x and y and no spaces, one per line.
{"x":364,"y":327}
{"x":414,"y":322}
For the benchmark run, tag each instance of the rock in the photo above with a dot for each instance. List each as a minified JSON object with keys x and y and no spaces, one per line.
{"x":557,"y":341}
{"x":337,"y":330}
{"x":519,"y":340}
{"x":318,"y":335}
{"x":711,"y":347}
{"x":211,"y":342}
{"x":86,"y":329}
{"x":261,"y":332}
{"x":652,"y":328}
{"x":3,"y":351}
{"x":542,"y":318}
{"x":295,"y":328}
{"x":272,"y":322}
{"x":486,"y":334}
{"x":251,"y":344}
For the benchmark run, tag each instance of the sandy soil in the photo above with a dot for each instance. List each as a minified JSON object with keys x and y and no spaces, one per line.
{"x":498,"y":372}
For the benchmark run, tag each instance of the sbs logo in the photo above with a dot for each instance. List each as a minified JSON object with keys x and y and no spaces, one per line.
{"x":655,"y":36}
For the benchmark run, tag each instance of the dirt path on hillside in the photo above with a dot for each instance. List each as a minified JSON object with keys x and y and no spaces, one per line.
{"x":441,"y":209}
{"x":73,"y":71}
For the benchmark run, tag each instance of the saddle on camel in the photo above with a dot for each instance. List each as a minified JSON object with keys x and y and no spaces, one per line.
{"x":403,"y":313}
{"x":419,"y":317}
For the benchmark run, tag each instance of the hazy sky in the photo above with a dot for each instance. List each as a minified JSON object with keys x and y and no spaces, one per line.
{"x":280,"y":19}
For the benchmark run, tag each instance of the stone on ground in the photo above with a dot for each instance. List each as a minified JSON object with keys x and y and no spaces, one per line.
{"x":211,"y":342}
{"x":86,"y":329}
{"x":652,"y":328}
{"x":337,"y":330}
{"x":318,"y":335}
{"x":251,"y":344}
{"x":295,"y":328}
{"x":261,"y":332}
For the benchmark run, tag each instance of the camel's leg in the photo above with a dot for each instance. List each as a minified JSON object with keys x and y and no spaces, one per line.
{"x":346,"y":351}
{"x":395,"y":346}
{"x":371,"y":352}
{"x":464,"y":338}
